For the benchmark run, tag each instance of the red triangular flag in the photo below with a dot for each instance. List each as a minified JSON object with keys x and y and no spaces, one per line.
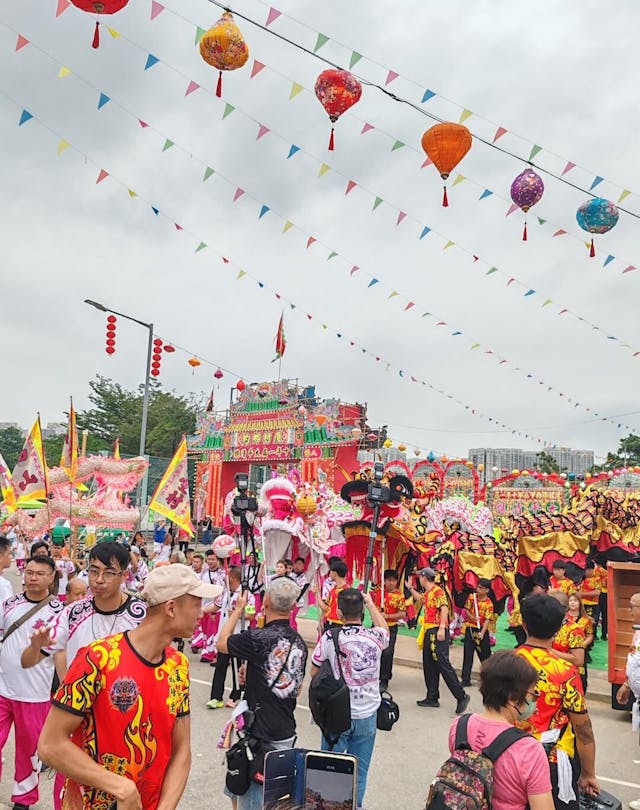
{"x":102,"y":176}
{"x":178,"y":227}
{"x":427,"y":162}
{"x":22,"y":41}
{"x":310,"y":241}
{"x":63,"y":5}
{"x":350,"y":186}
{"x":257,"y":67}
{"x":273,"y":15}
{"x":142,"y":123}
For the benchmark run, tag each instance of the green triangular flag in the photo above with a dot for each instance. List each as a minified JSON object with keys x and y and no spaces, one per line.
{"x":534,"y":151}
{"x":493,"y":270}
{"x":331,"y":255}
{"x":200,"y":247}
{"x":397,"y":145}
{"x":207,"y":174}
{"x":200,"y":32}
{"x":167,"y":145}
{"x":541,"y":221}
{"x":355,"y":58}
{"x":228,"y":109}
{"x":320,"y":42}
{"x":376,"y":203}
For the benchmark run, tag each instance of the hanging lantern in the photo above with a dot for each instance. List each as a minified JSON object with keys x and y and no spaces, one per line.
{"x":156,"y":357}
{"x":110,"y":343}
{"x":416,"y":451}
{"x":446,"y":144}
{"x":356,"y":432}
{"x":306,"y":504}
{"x":444,"y":459}
{"x":193,"y":362}
{"x":597,"y":216}
{"x":387,"y":443}
{"x":241,"y":385}
{"x":526,"y":190}
{"x":337,"y":91}
{"x":223,"y":47}
{"x":431,"y":456}
{"x":402,"y":447}
{"x":168,"y":348}
{"x":515,"y":472}
{"x":480,"y":467}
{"x":218,"y":374}
{"x":103,"y":7}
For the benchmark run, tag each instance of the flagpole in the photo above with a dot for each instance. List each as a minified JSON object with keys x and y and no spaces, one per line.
{"x":46,"y":477}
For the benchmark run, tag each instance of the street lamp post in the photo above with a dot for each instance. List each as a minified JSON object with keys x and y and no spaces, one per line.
{"x":145,"y":400}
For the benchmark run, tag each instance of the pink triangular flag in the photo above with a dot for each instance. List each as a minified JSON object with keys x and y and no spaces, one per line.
{"x":560,"y":232}
{"x":409,"y":305}
{"x":428,"y":162}
{"x":568,"y":167}
{"x":350,"y":186}
{"x":156,"y":8}
{"x":257,"y":67}
{"x":628,"y":269}
{"x":354,"y":269}
{"x":193,"y":86}
{"x":226,"y":261}
{"x":391,"y":75}
{"x":178,"y":227}
{"x":262,"y":131}
{"x":401,"y":216}
{"x":512,"y":208}
{"x":310,"y":241}
{"x":239,"y":192}
{"x":142,"y":123}
{"x":102,"y":176}
{"x":22,"y":41}
{"x":499,"y":133}
{"x":366,"y":128}
{"x":273,"y":15}
{"x":511,"y":280}
{"x":63,"y":5}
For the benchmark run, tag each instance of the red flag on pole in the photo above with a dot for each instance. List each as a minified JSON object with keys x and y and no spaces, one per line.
{"x":281,"y":343}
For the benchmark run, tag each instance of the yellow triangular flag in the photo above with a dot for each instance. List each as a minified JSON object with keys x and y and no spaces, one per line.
{"x":295,"y":89}
{"x":62,"y":146}
{"x":323,"y":169}
{"x":287,"y":225}
{"x":241,"y":273}
{"x":64,"y":71}
{"x":448,"y":245}
{"x":464,"y":115}
{"x":392,"y":295}
{"x":624,"y":194}
{"x":459,"y":179}
{"x":132,"y":193}
{"x":115,"y":34}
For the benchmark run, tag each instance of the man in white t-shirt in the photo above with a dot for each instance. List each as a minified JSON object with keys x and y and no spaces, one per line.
{"x":25,"y":693}
{"x":162,"y":551}
{"x":65,"y":568}
{"x":5,"y":562}
{"x":361,"y":649}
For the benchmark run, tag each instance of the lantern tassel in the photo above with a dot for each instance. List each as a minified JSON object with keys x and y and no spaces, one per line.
{"x":219,"y":87}
{"x":592,"y":251}
{"x":524,"y":233}
{"x":331,"y":142}
{"x":445,"y":199}
{"x":96,"y":36}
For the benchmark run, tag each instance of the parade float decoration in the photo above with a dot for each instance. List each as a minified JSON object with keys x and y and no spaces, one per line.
{"x":223,"y":47}
{"x":446,"y":144}
{"x":526,"y":492}
{"x":526,"y":190}
{"x":337,"y":91}
{"x":99,"y":7}
{"x":597,"y":215}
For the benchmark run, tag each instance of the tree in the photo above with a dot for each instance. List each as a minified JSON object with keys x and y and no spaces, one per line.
{"x":627,"y":454}
{"x":117,"y":414}
{"x":547,"y":463}
{"x":11,"y":442}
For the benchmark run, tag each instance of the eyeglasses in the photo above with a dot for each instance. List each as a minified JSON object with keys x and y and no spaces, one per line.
{"x":107,"y":573}
{"x":534,"y":693}
{"x":37,"y":574}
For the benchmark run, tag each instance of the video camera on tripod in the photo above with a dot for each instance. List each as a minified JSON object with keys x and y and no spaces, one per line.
{"x":377,"y":492}
{"x":244,"y":505}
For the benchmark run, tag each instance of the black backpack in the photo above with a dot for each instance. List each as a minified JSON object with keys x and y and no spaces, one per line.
{"x":388,"y":712}
{"x":329,"y":698}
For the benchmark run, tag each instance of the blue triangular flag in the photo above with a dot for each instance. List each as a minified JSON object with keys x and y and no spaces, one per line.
{"x":263,"y":211}
{"x":155,"y":210}
{"x":609,"y":258}
{"x":104,"y":99}
{"x":261,"y":284}
{"x":486,"y":193}
{"x":25,"y":116}
{"x":529,"y":292}
{"x":453,"y":334}
{"x":293,"y":150}
{"x":596,"y":182}
{"x":427,"y":95}
{"x":372,"y":282}
{"x":425,"y":231}
{"x":151,"y":61}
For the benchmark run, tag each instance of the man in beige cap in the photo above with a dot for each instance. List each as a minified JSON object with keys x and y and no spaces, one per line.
{"x":119,"y":726}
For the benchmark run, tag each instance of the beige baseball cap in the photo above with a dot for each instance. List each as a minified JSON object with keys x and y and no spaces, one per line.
{"x":173,"y":581}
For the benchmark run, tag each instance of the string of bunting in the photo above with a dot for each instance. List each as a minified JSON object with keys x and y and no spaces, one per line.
{"x":65,"y":145}
{"x":435,"y":319}
{"x":512,"y":282}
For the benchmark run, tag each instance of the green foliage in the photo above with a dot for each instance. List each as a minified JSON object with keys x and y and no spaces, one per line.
{"x":547,"y":464}
{"x":11,"y":442}
{"x":627,"y":454}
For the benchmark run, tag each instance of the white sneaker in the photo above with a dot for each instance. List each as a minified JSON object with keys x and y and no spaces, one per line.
{"x":635,"y":804}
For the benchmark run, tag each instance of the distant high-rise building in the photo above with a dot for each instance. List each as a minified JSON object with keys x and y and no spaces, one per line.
{"x":54,"y":429}
{"x":499,"y":461}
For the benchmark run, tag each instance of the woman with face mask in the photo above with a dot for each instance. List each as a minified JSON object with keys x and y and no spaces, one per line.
{"x":508,"y":684}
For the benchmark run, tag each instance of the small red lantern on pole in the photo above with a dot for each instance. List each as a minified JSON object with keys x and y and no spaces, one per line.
{"x":156,"y":358}
{"x":110,"y":347}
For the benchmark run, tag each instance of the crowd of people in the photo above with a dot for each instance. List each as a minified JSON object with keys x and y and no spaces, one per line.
{"x":81,"y":640}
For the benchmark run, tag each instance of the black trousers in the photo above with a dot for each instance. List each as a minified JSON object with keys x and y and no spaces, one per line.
{"x":604,"y":614}
{"x":575,"y":773}
{"x":435,"y":662}
{"x":220,"y":674}
{"x":386,"y":661}
{"x":473,"y":644}
{"x":593,"y":612}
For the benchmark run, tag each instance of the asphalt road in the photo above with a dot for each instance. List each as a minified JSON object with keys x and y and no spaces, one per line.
{"x":405,"y":759}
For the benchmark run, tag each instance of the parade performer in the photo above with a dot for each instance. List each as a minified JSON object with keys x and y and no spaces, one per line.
{"x":479,"y":619}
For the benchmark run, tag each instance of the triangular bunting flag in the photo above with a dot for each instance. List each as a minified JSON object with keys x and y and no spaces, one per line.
{"x":392,"y":294}
{"x":263,"y":211}
{"x":155,"y":210}
{"x":529,"y":292}
{"x":22,"y":41}
{"x":366,"y":128}
{"x":427,"y":162}
{"x":397,"y":145}
{"x":568,"y":167}
{"x":534,"y":151}
{"x":323,"y":169}
{"x":424,"y":232}
{"x":295,"y":89}
{"x":178,"y":227}
{"x":62,"y":145}
{"x":287,"y":225}
{"x":310,"y":241}
{"x":228,"y":109}
{"x":448,"y":245}
{"x":25,"y":116}
{"x":156,"y":8}
{"x":628,"y":269}
{"x":104,"y":99}
{"x":486,"y":193}
{"x":64,"y":71}
{"x":322,"y":40}
{"x":391,"y":76}
{"x":257,"y":67}
{"x":151,"y":61}
{"x":559,"y":232}
{"x":476,"y":346}
{"x":241,"y":274}
{"x":624,"y":194}
{"x":332,"y":255}
{"x":200,"y":32}
{"x":293,"y":150}
{"x":499,"y":133}
{"x":513,"y":207}
{"x":200,"y":247}
{"x":547,"y":302}
{"x":350,"y":186}
{"x":238,"y":193}
{"x":491,"y":270}
{"x":167,"y":145}
{"x":409,"y":305}
{"x":132,"y":193}
{"x":376,"y":203}
{"x":372,"y":282}
{"x":464,"y":115}
{"x":428,"y":95}
{"x":142,"y":123}
{"x":609,"y":258}
{"x":401,"y":216}
{"x":354,"y":269}
{"x":101,"y":176}
{"x":596,"y":182}
{"x":355,"y":58}
{"x":262,"y":130}
{"x":460,"y":178}
{"x":63,"y":5}
{"x":114,"y":34}
{"x":193,"y":86}
{"x":541,"y":221}
{"x":207,"y":173}
{"x":272,"y":15}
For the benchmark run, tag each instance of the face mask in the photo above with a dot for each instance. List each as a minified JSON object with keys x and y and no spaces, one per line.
{"x":529,"y":709}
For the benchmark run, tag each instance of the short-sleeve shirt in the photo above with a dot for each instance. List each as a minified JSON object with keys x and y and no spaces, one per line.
{"x":521,"y":771}
{"x":394,"y":602}
{"x":561,"y":692}
{"x":128,"y":708}
{"x":65,"y":569}
{"x":591,"y":584}
{"x":570,"y":636}
{"x":32,"y":685}
{"x":332,"y":605}
{"x":485,"y":611}
{"x":362,"y":648}
{"x":266,"y":650}
{"x":162,"y":552}
{"x":434,"y":599}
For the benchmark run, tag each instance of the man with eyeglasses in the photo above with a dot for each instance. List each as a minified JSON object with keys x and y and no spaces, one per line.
{"x":25,"y":693}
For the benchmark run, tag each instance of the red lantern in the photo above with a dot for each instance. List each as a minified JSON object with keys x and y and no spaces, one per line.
{"x":99,"y":7}
{"x":110,"y":350}
{"x":110,"y":342}
{"x":155,"y":372}
{"x":218,"y":374}
{"x":156,"y":357}
{"x":337,"y":90}
{"x":241,"y":385}
{"x":168,"y":348}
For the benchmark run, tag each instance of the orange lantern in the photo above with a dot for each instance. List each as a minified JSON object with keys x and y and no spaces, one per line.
{"x":194,"y":362}
{"x":402,"y":447}
{"x":320,"y":419}
{"x":223,"y":47}
{"x":446,"y":144}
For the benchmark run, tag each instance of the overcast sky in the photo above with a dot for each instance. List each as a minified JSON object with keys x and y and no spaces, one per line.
{"x":560,"y":75}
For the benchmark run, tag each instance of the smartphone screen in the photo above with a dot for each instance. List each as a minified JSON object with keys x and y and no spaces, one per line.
{"x":329,"y":781}
{"x":279,"y":780}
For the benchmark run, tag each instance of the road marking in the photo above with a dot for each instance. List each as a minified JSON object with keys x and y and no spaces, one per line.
{"x":618,"y":782}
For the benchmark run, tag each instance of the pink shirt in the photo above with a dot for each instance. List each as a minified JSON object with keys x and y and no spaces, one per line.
{"x":521,"y":771}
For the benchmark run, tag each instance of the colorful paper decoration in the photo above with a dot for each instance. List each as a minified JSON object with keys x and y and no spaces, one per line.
{"x":101,"y":7}
{"x":223,"y":47}
{"x":526,"y":190}
{"x":337,"y":91}
{"x":446,"y":144}
{"x":597,"y":216}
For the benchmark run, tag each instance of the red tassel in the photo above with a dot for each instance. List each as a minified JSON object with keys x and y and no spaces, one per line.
{"x":219,"y":87}
{"x":331,"y":143}
{"x":96,"y":36}
{"x":592,"y":252}
{"x":445,"y":199}
{"x":524,"y":233}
